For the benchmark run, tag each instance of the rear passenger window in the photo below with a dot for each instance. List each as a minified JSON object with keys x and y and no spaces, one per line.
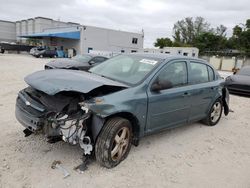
{"x":199,"y":73}
{"x":210,"y":73}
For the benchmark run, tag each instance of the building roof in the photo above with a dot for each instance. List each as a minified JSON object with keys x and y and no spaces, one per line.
{"x":6,"y":21}
{"x":67,"y":34}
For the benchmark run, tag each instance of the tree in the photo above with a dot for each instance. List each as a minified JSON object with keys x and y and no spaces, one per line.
{"x":186,"y":30}
{"x":237,"y":30}
{"x":163,"y":42}
{"x":244,"y":41}
{"x":209,"y":41}
{"x":231,"y":43}
{"x":248,"y":24}
{"x":198,"y":33}
{"x":221,"y":30}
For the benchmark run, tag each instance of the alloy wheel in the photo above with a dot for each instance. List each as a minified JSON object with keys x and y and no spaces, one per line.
{"x":215,"y":114}
{"x":120,"y":143}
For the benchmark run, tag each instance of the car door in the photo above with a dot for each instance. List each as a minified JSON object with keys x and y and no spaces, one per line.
{"x":204,"y":87}
{"x":169,"y":107}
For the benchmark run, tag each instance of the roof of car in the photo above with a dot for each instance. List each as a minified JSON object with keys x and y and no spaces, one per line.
{"x":164,"y":56}
{"x":92,"y":55}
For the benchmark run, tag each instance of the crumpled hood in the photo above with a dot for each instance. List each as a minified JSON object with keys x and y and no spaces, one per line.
{"x":56,"y":80}
{"x":66,"y":63}
{"x":239,"y":79}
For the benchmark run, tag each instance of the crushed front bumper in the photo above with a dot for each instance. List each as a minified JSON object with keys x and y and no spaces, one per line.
{"x":28,"y":120}
{"x":29,"y":112}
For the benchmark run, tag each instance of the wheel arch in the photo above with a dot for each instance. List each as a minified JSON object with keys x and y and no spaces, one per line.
{"x":126,"y":115}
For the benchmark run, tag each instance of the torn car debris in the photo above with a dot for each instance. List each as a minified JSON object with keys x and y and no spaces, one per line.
{"x":57,"y":165}
{"x":112,"y":106}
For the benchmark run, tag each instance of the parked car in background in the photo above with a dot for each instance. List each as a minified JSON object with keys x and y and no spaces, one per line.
{"x":79,"y":62}
{"x":35,"y":49}
{"x":239,"y":83}
{"x":45,"y":53}
{"x":119,"y":101}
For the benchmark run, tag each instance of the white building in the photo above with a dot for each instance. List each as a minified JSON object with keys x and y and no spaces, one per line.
{"x":7,"y":31}
{"x":185,"y":51}
{"x":68,"y":35}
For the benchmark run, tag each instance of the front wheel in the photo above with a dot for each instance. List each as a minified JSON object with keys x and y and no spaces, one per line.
{"x":214,"y":114}
{"x":114,"y":142}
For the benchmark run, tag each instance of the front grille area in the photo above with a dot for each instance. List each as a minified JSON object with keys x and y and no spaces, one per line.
{"x":30,"y":104}
{"x":29,"y":112}
{"x":21,"y":104}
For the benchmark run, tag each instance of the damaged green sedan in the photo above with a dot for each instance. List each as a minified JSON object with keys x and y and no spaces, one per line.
{"x":116,"y":103}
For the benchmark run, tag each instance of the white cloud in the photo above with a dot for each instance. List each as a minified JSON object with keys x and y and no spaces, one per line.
{"x":156,"y":17}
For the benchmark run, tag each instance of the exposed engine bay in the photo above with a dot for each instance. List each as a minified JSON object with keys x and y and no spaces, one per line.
{"x":59,"y":117}
{"x":72,"y":129}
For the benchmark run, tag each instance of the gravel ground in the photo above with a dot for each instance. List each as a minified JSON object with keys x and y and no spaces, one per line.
{"x":189,"y":156}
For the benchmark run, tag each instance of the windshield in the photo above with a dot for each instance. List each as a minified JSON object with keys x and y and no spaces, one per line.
{"x":82,"y":58}
{"x":244,"y":71}
{"x":130,"y":69}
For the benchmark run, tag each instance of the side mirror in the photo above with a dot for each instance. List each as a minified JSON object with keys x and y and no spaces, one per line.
{"x":155,"y":87}
{"x":92,"y":62}
{"x":161,"y":85}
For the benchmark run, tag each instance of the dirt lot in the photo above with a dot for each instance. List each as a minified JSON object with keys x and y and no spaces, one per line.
{"x":190,"y":156}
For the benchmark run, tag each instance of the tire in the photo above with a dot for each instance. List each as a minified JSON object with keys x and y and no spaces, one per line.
{"x":41,"y":56}
{"x":114,"y":142}
{"x":214,"y":114}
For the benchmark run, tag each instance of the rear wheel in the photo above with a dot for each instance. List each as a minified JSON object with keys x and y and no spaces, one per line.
{"x":214,"y":114}
{"x":41,"y":56}
{"x":114,"y":142}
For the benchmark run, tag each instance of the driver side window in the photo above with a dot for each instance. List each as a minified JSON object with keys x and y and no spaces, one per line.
{"x":174,"y":74}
